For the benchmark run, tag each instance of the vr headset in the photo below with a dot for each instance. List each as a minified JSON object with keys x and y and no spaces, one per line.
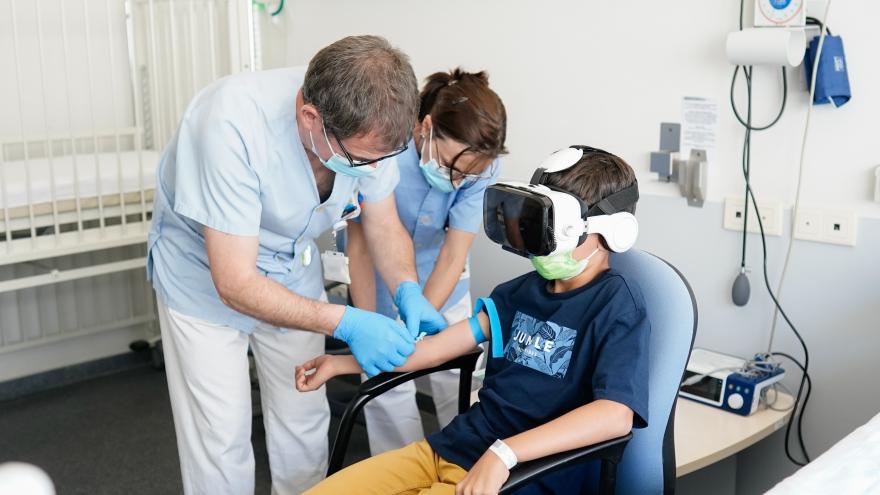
{"x":537,"y":219}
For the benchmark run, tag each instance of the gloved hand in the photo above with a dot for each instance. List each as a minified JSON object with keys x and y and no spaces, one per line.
{"x":416,"y":311}
{"x":377,"y":342}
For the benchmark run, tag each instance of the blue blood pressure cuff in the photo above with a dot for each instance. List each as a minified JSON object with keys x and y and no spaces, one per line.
{"x":486,"y":304}
{"x":832,"y":81}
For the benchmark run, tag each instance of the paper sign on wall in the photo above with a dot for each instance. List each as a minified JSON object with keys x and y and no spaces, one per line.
{"x":699,"y":125}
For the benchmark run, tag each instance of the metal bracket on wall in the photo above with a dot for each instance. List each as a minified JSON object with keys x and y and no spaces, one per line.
{"x":690,"y":174}
{"x":661,"y":161}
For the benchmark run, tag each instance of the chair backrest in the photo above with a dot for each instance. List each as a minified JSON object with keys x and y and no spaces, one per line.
{"x":648,"y":464}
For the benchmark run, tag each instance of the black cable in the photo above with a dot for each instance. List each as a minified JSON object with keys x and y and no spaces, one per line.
{"x":790,"y":324}
{"x":816,"y":22}
{"x":747,"y":71}
{"x":746,"y":163}
{"x":781,"y":107}
{"x":802,"y":407}
{"x":749,"y":193}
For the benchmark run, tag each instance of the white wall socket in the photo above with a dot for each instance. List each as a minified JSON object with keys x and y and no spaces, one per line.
{"x":831,"y":226}
{"x":771,"y":216}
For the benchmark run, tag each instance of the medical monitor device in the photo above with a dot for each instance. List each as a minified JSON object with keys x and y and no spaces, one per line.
{"x":727,"y":382}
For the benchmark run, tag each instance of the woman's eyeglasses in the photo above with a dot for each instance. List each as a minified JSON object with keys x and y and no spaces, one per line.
{"x":459,"y":177}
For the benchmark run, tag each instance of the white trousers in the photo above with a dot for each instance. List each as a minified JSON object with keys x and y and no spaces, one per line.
{"x":393,"y":419}
{"x":208,"y":381}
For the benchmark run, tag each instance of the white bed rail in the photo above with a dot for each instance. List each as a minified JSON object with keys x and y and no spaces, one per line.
{"x":92,"y":91}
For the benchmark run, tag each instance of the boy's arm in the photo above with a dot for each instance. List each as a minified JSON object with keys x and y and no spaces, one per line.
{"x":589,"y":424}
{"x":431,"y":351}
{"x":595,"y":422}
{"x":452,"y":342}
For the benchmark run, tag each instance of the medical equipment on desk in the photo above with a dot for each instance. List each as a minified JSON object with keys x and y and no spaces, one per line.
{"x":728,"y":382}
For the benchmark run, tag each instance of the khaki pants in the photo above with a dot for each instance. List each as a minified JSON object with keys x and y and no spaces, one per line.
{"x":413,"y":470}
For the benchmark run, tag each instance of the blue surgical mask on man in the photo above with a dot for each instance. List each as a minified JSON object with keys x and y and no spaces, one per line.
{"x":431,"y":169}
{"x":337,"y":163}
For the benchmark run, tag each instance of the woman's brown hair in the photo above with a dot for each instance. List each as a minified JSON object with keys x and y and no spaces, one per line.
{"x":463,"y":108}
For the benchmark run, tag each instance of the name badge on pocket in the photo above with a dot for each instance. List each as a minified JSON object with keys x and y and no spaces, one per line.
{"x":335,"y":267}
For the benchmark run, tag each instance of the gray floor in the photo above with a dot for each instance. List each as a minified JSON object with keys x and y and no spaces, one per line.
{"x":114,"y":434}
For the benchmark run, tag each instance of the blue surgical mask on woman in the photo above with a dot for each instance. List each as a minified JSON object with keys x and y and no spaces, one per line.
{"x":431,"y":169}
{"x":337,"y":163}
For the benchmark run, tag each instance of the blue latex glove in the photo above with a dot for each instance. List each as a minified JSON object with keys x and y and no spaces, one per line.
{"x":377,"y":342}
{"x":416,"y":311}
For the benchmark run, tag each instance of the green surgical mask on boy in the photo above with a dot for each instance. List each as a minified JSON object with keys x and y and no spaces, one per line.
{"x":561,"y":266}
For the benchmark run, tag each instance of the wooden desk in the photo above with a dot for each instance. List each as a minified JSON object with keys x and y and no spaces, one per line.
{"x":705,"y":435}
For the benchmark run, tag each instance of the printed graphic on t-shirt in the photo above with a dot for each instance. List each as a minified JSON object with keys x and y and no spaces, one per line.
{"x":541,"y":345}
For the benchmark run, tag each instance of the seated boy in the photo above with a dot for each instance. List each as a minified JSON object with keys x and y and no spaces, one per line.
{"x":573,"y":369}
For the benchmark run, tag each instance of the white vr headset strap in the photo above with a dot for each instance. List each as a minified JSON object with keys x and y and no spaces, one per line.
{"x":619,"y":230}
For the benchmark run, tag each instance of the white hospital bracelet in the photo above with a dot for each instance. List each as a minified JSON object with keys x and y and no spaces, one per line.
{"x":505,"y":453}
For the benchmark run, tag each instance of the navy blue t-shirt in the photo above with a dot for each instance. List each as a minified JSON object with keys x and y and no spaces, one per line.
{"x":561,"y":351}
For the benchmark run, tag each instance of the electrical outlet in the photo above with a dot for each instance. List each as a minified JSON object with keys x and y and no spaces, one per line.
{"x":831,"y":226}
{"x":771,"y":216}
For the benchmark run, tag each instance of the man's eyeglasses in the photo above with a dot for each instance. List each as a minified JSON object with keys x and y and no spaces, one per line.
{"x":358,"y":163}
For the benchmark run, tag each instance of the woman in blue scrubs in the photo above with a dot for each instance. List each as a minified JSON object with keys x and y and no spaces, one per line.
{"x":444,"y":173}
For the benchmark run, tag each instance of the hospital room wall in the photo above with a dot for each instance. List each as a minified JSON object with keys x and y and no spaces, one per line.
{"x":606,"y":74}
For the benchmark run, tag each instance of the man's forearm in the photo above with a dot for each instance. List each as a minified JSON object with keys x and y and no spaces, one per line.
{"x":587,"y":425}
{"x":269,"y":301}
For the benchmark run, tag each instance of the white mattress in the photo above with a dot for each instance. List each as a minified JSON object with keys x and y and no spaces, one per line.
{"x":852,"y":465}
{"x":108,"y":167}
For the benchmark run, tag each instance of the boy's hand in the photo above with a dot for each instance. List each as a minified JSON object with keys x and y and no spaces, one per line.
{"x":312,"y":374}
{"x":485,"y":478}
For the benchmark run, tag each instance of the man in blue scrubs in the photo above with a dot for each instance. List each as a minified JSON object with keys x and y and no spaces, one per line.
{"x":261,"y":165}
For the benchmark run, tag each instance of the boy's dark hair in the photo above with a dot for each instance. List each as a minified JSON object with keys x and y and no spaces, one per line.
{"x":594,"y":177}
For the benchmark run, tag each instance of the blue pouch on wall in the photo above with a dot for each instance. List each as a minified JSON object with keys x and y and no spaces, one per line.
{"x":832,"y":81}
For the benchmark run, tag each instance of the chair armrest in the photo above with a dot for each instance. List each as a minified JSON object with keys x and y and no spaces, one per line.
{"x":609,"y":450}
{"x":383,"y":382}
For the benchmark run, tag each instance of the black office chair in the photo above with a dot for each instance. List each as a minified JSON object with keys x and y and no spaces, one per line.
{"x":609,"y":452}
{"x":648,"y":465}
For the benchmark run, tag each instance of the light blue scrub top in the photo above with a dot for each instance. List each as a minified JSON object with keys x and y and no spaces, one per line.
{"x":237,"y":165}
{"x":425,"y":213}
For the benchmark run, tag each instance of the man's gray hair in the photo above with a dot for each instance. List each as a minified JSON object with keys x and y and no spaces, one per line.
{"x":362,"y":84}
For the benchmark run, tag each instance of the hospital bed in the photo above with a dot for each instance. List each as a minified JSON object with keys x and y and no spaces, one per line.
{"x":51,"y":204}
{"x":852,"y":465}
{"x":92,"y":92}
